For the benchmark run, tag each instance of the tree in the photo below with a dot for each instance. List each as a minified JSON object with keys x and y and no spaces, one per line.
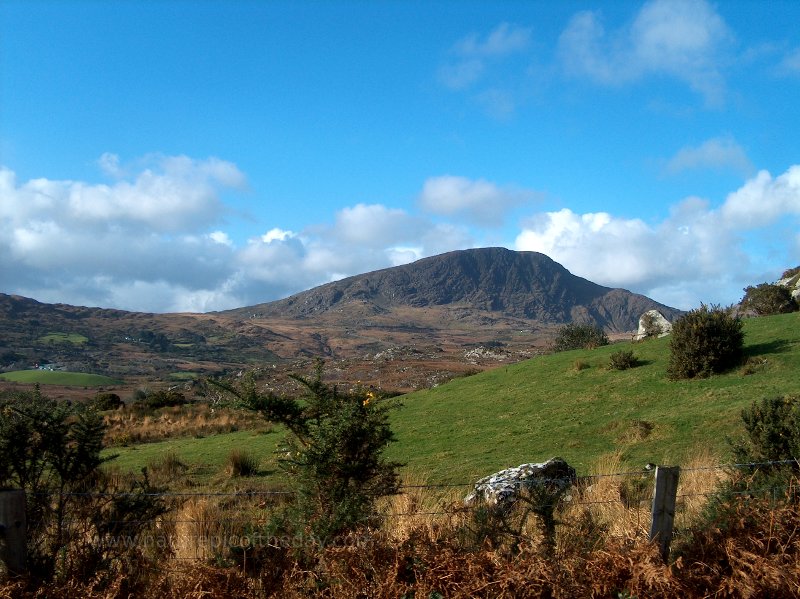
{"x":333,"y":454}
{"x":51,"y":450}
{"x":705,"y":341}
{"x":579,"y":336}
{"x":766,"y":299}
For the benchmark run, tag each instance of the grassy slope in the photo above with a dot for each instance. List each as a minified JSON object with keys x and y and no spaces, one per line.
{"x":544,"y":407}
{"x":205,"y":456}
{"x":57,"y":377}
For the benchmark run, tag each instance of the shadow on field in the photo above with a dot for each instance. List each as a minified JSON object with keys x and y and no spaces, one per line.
{"x":776,"y":346}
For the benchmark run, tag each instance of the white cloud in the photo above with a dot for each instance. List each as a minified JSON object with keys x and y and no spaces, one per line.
{"x":504,"y":39}
{"x":763,"y":200}
{"x":686,"y":39}
{"x":478,"y":201}
{"x":277,"y":234}
{"x":374,"y":225}
{"x":54,"y":248}
{"x":151,"y":240}
{"x":719,"y":153}
{"x":179,"y":194}
{"x":220,"y":237}
{"x":470,"y":56}
{"x":697,"y":254}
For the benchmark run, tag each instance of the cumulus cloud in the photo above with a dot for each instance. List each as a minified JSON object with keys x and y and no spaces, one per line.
{"x":477,"y":201}
{"x":152,"y":240}
{"x":762,"y":200}
{"x":55,"y":247}
{"x":719,"y":153}
{"x":375,"y":225}
{"x":697,"y":254}
{"x":685,"y":39}
{"x":471,"y":55}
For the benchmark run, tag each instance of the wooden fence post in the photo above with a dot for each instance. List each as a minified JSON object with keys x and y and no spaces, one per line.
{"x":666,"y":491}
{"x":12,"y":533}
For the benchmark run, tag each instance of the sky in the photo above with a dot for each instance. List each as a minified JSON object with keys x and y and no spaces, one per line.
{"x":176,"y":155}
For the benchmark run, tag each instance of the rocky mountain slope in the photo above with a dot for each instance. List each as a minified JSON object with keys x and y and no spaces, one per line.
{"x":400,"y":328}
{"x":524,"y":285}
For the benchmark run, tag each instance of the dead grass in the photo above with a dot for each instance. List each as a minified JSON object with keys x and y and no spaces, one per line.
{"x":130,"y":425}
{"x":602,"y":551}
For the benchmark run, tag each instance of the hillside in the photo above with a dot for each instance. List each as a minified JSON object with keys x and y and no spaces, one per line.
{"x":543,"y":407}
{"x":523,"y":285}
{"x":402,"y":328}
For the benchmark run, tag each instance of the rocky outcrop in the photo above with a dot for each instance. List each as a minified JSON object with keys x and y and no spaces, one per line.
{"x":791,"y":280}
{"x":653,"y":324}
{"x":504,"y":487}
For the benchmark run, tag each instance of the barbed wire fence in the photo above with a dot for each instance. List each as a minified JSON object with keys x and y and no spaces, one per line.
{"x":198,"y":527}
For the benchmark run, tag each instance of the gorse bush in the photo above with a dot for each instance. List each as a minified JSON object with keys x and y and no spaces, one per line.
{"x":705,"y":341}
{"x":622,"y":360}
{"x":766,"y":299}
{"x":579,"y":336}
{"x":74,"y":514}
{"x":772,"y":432}
{"x":333,"y":456}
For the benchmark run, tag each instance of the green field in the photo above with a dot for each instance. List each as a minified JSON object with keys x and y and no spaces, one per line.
{"x":57,"y":377}
{"x":205,"y":456}
{"x":545,"y":407}
{"x":72,"y":338}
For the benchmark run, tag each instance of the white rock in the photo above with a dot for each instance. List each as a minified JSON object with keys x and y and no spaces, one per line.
{"x":658,"y":318}
{"x":504,"y":487}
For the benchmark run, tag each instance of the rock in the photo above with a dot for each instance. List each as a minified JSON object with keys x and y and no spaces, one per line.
{"x":656,"y":319}
{"x":792,"y":282}
{"x":504,"y":487}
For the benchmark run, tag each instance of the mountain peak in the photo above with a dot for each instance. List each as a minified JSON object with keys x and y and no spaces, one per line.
{"x":527,"y":285}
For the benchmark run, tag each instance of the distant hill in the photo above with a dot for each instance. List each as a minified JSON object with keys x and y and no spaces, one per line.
{"x":524,"y":285}
{"x":401,"y":328}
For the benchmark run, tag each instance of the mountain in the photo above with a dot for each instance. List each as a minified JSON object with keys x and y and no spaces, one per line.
{"x":401,"y":328}
{"x":523,"y":285}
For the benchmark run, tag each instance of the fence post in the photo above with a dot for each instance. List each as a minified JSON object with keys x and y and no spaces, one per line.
{"x":666,"y":491}
{"x":12,"y":533}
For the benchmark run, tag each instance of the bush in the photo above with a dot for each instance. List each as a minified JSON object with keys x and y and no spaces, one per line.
{"x":74,"y":514}
{"x":772,"y":428}
{"x":163,"y":399}
{"x":791,"y":272}
{"x":766,"y":299}
{"x":106,"y":401}
{"x":622,"y":360}
{"x":579,"y":336}
{"x":333,"y":455}
{"x":705,"y":341}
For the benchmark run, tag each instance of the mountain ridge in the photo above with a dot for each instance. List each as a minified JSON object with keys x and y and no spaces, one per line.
{"x":527,"y":285}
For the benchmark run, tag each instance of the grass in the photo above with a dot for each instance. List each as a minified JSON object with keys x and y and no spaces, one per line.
{"x":547,"y":406}
{"x":73,"y":338}
{"x":205,"y":457}
{"x":57,"y":377}
{"x":184,"y":375}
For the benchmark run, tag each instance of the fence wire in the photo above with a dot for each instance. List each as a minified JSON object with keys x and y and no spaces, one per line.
{"x":203,"y":534}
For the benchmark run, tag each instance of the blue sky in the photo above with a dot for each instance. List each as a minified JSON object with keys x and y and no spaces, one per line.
{"x":195,"y":156}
